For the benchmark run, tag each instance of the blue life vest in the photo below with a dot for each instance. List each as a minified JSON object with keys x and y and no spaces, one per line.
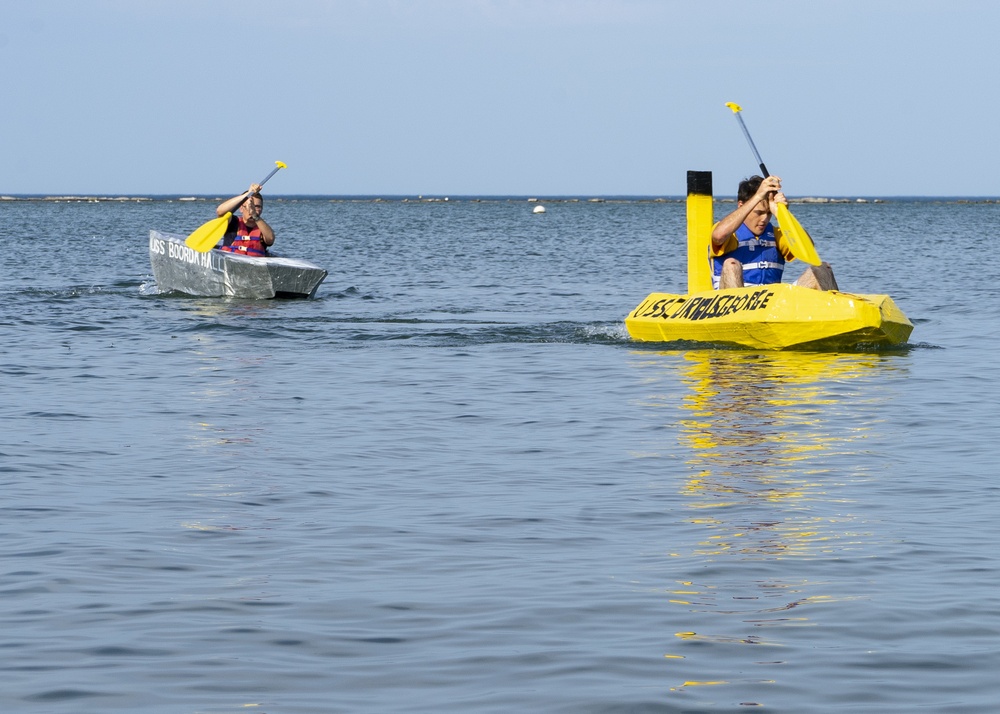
{"x":763,"y":263}
{"x":240,"y":239}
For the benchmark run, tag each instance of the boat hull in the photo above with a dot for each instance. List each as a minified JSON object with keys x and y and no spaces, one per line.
{"x":177,"y":268}
{"x":773,"y":317}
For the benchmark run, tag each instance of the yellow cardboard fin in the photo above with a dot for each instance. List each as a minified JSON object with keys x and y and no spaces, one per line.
{"x":699,"y":230}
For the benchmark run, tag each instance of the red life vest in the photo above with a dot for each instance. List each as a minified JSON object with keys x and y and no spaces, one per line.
{"x":246,"y":241}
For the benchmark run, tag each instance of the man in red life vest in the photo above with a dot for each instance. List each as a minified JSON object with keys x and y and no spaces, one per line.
{"x":247,"y":233}
{"x":748,"y":250}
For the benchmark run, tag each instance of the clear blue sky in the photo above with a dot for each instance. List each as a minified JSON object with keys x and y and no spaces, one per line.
{"x":538,"y":97}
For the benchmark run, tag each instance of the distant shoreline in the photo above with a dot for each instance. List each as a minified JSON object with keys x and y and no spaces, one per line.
{"x":99,"y":198}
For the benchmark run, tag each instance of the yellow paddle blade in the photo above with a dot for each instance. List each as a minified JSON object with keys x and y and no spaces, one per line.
{"x":800,"y":242}
{"x":206,"y":236}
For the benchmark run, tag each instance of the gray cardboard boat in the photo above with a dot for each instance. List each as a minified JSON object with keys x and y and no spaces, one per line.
{"x":178,"y":268}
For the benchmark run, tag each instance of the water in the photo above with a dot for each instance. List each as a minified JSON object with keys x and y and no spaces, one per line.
{"x":451,"y":484}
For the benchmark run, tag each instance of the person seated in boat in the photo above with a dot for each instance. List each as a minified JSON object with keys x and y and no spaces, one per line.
{"x":747,"y":250}
{"x":247,"y":233}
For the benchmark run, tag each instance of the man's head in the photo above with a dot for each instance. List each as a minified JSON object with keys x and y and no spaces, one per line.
{"x":760,"y":216}
{"x":748,"y":187}
{"x":252,"y":207}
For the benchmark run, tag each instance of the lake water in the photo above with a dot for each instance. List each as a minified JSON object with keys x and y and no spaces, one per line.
{"x":450,"y":483}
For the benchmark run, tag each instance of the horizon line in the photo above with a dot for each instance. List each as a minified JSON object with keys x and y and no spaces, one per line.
{"x":444,"y":197}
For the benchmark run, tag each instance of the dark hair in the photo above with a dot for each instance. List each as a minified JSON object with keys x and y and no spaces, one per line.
{"x":748,"y":187}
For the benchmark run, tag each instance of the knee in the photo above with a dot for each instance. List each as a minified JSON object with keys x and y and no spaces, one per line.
{"x":732,"y":274}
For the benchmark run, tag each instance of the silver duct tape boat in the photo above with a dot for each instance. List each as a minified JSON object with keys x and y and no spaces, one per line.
{"x":178,"y":268}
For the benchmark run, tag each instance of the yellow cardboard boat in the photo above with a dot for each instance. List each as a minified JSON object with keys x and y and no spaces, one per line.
{"x":774,"y":317}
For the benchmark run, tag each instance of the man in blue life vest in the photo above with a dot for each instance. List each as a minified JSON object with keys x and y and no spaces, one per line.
{"x":247,"y":233}
{"x":748,"y":250}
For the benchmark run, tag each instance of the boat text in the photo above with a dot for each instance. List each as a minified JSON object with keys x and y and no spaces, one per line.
{"x":179,"y":251}
{"x":703,"y":308}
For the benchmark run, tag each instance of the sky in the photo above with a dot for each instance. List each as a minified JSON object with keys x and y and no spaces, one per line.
{"x":498,"y":97}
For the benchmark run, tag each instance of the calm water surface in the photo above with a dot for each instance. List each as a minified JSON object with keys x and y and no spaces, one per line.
{"x":450,"y":483}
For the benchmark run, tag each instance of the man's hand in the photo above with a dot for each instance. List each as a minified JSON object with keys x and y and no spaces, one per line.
{"x":770,"y":185}
{"x":770,"y":191}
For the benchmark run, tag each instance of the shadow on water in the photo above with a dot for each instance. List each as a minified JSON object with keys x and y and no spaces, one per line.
{"x":773,"y":448}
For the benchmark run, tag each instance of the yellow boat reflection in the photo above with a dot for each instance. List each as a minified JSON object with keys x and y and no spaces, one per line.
{"x":770,"y":443}
{"x":758,"y":428}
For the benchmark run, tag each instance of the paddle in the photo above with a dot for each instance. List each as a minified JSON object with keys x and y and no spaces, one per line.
{"x":206,"y":236}
{"x":799,"y":241}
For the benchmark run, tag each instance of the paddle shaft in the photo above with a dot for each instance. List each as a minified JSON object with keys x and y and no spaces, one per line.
{"x":278,"y":167}
{"x":800,"y":242}
{"x":275,"y":170}
{"x":753,"y":148}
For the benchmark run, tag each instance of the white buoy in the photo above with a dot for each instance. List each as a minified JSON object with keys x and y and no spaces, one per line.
{"x":538,"y":209}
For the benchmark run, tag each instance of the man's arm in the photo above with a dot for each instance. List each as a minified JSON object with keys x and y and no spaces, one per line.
{"x":231,"y":205}
{"x":266,"y":232}
{"x":728,"y":225}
